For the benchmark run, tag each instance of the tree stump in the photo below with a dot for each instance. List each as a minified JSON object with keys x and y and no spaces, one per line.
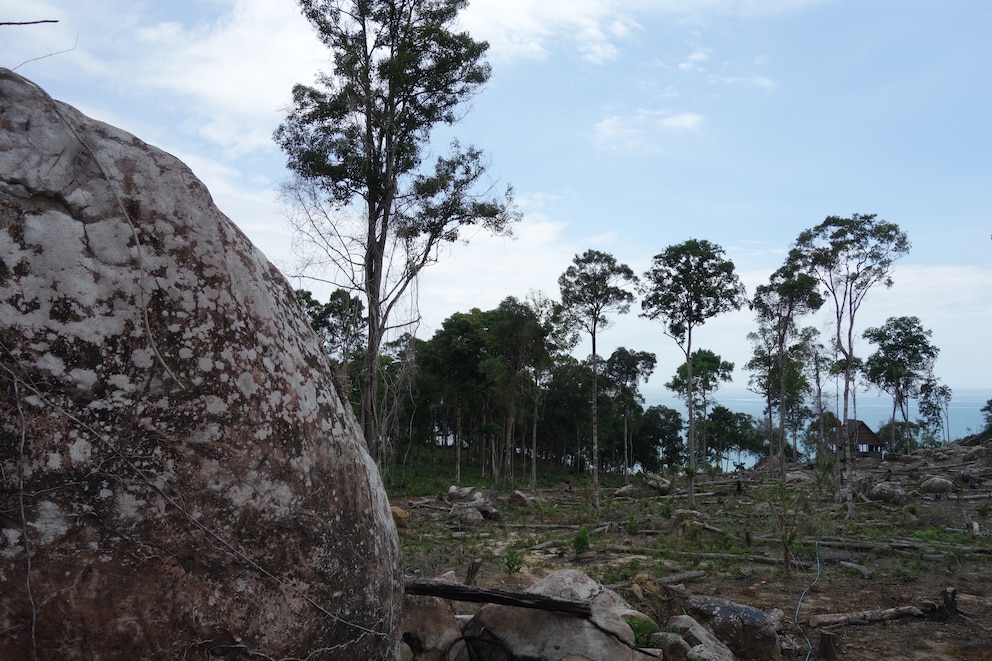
{"x":829,"y":647}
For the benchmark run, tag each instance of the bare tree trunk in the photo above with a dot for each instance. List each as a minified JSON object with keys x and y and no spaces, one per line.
{"x":458,"y":448}
{"x":595,"y":422}
{"x":692,"y":422}
{"x":533,"y":441}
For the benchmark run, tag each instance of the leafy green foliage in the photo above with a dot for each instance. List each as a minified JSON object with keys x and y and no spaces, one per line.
{"x":661,"y":434}
{"x":591,"y":287}
{"x":580,"y":541}
{"x":780,"y":346}
{"x":512,"y":561}
{"x":987,"y":413}
{"x":849,"y":257}
{"x":685,"y":286}
{"x":903,"y":362}
{"x":369,"y":208}
{"x":642,"y":627}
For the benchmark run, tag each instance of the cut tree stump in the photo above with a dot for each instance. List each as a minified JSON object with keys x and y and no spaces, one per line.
{"x":829,"y":647}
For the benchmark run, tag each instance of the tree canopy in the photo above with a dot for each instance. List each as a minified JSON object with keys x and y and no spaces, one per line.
{"x":364,"y":202}
{"x":687,"y":285}
{"x":902,"y":363}
{"x":594,"y":285}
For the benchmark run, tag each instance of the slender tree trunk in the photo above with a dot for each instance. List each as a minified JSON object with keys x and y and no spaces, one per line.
{"x":458,"y":448}
{"x":892,"y":421}
{"x":626,"y":457}
{"x":781,"y":400}
{"x":533,"y":440}
{"x":768,"y":426}
{"x":692,"y":420}
{"x":595,"y":421}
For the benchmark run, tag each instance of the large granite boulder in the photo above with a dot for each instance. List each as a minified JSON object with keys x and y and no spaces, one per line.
{"x":179,"y":477}
{"x":503,"y":632}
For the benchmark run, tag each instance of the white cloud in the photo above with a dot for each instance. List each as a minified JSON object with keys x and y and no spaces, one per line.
{"x":695,"y":60}
{"x":528,"y":29}
{"x":488,"y":269}
{"x":525,"y":29}
{"x":685,"y":121}
{"x":642,"y":130}
{"x":752,"y":80}
{"x":230,"y":75}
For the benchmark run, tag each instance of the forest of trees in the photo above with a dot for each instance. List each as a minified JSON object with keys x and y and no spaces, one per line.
{"x":502,"y":388}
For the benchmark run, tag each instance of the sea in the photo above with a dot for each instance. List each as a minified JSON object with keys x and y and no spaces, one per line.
{"x":964,"y":413}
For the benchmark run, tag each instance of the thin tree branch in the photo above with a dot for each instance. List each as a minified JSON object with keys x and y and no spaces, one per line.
{"x":33,"y":59}
{"x":47,"y":20}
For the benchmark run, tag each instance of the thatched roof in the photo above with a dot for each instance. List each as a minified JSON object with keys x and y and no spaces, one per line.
{"x":854,"y":432}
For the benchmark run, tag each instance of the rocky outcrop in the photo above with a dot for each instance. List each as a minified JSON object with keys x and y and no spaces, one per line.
{"x":936,"y":486}
{"x":469,"y":507}
{"x":747,"y":631}
{"x":889,"y":492}
{"x":179,"y":477}
{"x":535,"y":634}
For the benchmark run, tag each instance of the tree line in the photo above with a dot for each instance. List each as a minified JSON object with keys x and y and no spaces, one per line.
{"x":503,"y":389}
{"x":371,"y":207}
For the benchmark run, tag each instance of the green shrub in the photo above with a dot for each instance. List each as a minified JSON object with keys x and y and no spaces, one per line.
{"x":580,"y":542}
{"x":512,"y":561}
{"x":642,"y":627}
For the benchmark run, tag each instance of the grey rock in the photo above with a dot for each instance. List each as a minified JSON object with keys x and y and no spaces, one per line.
{"x":201,"y":487}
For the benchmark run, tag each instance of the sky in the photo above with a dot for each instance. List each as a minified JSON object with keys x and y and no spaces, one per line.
{"x":624,"y":126}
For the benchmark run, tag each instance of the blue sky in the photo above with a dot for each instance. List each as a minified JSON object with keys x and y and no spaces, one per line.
{"x":623,"y":125}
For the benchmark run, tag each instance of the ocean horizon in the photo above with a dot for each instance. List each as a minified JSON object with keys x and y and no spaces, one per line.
{"x":964,"y":412}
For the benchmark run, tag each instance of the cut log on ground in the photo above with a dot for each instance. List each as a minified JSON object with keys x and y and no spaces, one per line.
{"x":864,"y":617}
{"x":457,"y":592}
{"x":684,"y":576}
{"x":856,"y":567}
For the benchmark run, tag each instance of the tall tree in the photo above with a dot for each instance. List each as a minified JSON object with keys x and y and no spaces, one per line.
{"x":559,"y":337}
{"x":903,"y":362}
{"x":935,"y":402}
{"x":816,"y":364}
{"x":687,"y":285}
{"x":850,"y":257}
{"x":626,"y":368}
{"x":789,"y":294}
{"x":355,"y":141}
{"x":455,"y":354}
{"x":661,"y":432}
{"x":986,"y":412}
{"x":709,"y":370}
{"x":763,"y":369}
{"x":340,"y":324}
{"x":733,"y":431}
{"x":592,"y":287}
{"x":519,"y":340}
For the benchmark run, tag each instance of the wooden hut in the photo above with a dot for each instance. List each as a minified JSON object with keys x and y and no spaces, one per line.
{"x":863,"y":441}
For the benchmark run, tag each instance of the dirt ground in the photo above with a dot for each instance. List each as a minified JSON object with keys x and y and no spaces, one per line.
{"x":966,"y":636}
{"x":641,"y":545}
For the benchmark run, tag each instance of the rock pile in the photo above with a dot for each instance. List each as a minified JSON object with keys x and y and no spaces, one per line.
{"x":719,"y":629}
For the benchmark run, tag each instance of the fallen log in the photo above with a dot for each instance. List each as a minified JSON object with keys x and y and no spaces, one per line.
{"x":864,"y":617}
{"x":856,"y":567}
{"x":679,"y":578}
{"x":458,"y":592}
